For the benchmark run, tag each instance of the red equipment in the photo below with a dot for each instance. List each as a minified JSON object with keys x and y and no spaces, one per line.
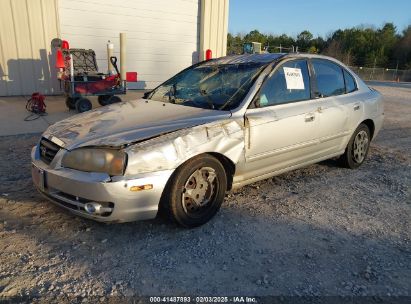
{"x":131,"y":76}
{"x":36,"y":103}
{"x":79,"y":76}
{"x":209,"y":54}
{"x":59,"y":60}
{"x":65,"y":44}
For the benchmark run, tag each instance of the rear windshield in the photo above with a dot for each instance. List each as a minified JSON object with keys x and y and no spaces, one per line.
{"x":220,"y":87}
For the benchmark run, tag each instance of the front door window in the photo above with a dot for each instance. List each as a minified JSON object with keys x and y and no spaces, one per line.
{"x":289,"y":83}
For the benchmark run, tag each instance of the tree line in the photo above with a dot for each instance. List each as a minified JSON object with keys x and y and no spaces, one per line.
{"x":358,"y":46}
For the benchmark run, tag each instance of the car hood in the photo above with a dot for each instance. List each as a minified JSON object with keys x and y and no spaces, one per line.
{"x":128,"y":122}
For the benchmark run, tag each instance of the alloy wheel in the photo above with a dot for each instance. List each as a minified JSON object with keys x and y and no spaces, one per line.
{"x":360,"y":146}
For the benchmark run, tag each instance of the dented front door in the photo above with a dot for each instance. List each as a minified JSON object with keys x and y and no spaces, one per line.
{"x":282,"y":129}
{"x":281,"y":136}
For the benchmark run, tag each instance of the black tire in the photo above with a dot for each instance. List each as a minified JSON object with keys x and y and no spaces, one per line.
{"x":114,"y":99}
{"x":71,"y":103}
{"x":204,"y":176}
{"x":103,"y":100}
{"x":83,"y":105}
{"x":357,"y":149}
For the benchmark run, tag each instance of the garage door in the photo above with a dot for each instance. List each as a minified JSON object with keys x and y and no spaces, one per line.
{"x":162,"y":35}
{"x":26,"y":30}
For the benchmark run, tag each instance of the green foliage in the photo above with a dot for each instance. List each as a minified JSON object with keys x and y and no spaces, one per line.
{"x":304,"y":40}
{"x":361,"y":46}
{"x":312,"y":50}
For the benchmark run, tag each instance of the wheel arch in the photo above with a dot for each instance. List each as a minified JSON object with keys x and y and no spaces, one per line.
{"x":371,"y":126}
{"x":229,"y":167}
{"x":227,"y":163}
{"x":229,"y":170}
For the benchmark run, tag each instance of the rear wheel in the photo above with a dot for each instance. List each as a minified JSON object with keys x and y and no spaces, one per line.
{"x":83,"y":105}
{"x":357,"y":148}
{"x":103,"y":99}
{"x":114,"y":99}
{"x":195,"y":192}
{"x":108,"y":99}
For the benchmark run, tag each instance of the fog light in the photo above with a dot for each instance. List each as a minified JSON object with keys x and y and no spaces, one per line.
{"x":92,"y":208}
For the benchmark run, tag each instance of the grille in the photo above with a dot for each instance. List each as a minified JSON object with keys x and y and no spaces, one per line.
{"x":48,"y":150}
{"x":73,"y":202}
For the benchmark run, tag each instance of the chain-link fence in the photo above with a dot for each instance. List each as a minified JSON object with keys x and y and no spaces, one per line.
{"x":366,"y":73}
{"x":381,"y":74}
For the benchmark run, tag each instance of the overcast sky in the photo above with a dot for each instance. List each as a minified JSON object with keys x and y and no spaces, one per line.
{"x":320,"y":17}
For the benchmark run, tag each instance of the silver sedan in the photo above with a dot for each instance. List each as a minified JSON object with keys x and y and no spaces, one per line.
{"x":215,"y":126}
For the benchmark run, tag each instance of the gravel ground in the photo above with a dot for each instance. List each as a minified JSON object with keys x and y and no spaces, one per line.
{"x":321,"y":230}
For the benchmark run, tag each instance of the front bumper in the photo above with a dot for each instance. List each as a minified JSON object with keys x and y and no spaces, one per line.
{"x":72,"y":190}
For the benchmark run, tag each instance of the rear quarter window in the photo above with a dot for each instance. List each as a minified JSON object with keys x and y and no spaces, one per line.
{"x":350,"y":85}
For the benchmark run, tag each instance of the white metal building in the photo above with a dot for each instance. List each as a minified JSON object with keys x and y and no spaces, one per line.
{"x":163,"y":37}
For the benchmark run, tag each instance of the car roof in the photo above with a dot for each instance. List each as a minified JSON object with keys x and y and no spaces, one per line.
{"x":261,"y":58}
{"x":246,"y":58}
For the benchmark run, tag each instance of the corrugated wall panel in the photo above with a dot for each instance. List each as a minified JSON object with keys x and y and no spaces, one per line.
{"x":26,"y":62}
{"x":8,"y":85}
{"x":162,"y":35}
{"x":214,"y":27}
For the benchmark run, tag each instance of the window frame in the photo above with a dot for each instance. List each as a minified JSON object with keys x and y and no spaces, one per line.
{"x":253,"y":103}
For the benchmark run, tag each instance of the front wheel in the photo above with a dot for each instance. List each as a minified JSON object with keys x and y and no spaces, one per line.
{"x":357,"y":148}
{"x":71,"y":103}
{"x":195,"y":191}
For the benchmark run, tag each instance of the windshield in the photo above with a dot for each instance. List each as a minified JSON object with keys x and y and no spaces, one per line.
{"x":220,"y":87}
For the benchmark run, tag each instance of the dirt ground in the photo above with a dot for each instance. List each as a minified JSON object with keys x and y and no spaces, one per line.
{"x":321,"y":230}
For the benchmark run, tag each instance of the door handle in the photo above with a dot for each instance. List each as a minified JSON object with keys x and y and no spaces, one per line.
{"x":356,"y":107}
{"x":309,"y":117}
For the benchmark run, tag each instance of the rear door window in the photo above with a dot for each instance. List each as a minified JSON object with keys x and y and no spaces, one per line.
{"x":289,"y":83}
{"x":329,"y":78}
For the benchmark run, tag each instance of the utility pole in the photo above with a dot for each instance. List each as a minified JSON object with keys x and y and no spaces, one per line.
{"x":373,"y":69}
{"x":396,"y":72}
{"x":281,"y":48}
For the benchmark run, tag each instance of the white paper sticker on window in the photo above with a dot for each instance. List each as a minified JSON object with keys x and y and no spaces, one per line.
{"x":294,"y":79}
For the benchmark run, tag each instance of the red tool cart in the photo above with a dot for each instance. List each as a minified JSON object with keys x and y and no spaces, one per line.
{"x":79,"y":77}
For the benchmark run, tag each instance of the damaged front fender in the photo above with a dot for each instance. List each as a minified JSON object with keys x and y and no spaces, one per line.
{"x":168,"y":151}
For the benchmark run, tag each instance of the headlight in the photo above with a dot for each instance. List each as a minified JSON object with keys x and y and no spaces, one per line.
{"x":108,"y":161}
